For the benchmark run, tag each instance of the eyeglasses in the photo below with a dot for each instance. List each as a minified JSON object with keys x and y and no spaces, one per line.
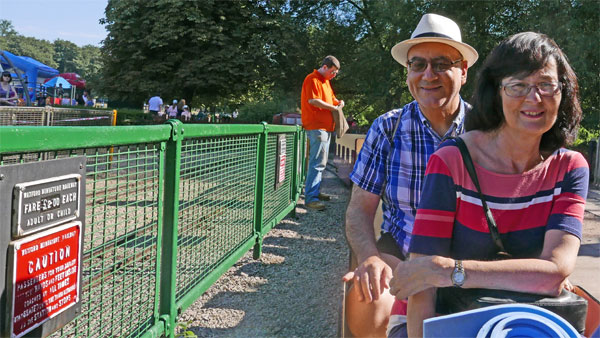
{"x":520,"y":89}
{"x":419,"y":65}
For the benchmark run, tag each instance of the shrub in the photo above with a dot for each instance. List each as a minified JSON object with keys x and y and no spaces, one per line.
{"x":128,"y":116}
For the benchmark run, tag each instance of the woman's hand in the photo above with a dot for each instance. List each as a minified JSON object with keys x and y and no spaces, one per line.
{"x":420,"y":273}
{"x":566,"y":284}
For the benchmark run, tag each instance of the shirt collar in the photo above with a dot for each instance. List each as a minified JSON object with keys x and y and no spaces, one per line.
{"x":321,"y":77}
{"x":457,"y":124}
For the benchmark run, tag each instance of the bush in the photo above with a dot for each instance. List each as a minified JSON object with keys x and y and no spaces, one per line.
{"x":258,"y":111}
{"x":585,"y":136}
{"x":127,"y":116}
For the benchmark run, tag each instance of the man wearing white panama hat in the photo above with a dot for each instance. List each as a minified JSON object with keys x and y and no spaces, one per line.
{"x":391,"y":166}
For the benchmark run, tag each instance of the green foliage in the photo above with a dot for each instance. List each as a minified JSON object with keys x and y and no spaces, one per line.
{"x":210,"y":49}
{"x":264,"y":109}
{"x":133,"y":117}
{"x":183,"y":330}
{"x":65,"y":53}
{"x":586,"y":135}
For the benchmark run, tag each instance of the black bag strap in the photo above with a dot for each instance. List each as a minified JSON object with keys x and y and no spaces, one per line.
{"x":464,"y":151}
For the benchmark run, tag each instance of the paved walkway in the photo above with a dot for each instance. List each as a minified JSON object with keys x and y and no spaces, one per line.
{"x":593,"y":201}
{"x":587,"y":268}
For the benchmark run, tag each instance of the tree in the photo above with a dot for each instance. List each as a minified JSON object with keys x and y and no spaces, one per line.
{"x":65,"y":53}
{"x":88,"y":64}
{"x":205,"y":50}
{"x":11,"y":41}
{"x":7,"y":30}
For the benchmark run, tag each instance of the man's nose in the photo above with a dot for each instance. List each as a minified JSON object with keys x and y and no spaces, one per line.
{"x":428,"y":73}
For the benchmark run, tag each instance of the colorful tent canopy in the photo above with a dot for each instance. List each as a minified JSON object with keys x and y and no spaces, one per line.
{"x":54,"y":82}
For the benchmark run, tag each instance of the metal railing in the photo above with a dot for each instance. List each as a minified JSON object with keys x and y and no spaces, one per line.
{"x":168,"y":211}
{"x":55,"y":116}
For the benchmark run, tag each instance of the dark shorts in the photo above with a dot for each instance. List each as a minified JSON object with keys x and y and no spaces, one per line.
{"x":398,"y":331}
{"x":387,"y":244}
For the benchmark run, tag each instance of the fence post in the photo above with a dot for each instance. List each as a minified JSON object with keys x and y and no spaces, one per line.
{"x":259,"y":195}
{"x":168,"y":262}
{"x":296,"y":168}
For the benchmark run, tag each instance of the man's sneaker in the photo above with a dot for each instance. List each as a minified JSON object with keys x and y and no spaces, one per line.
{"x":315,"y":205}
{"x":324,"y":197}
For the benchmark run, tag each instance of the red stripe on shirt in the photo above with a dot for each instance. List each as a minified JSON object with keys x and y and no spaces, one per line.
{"x":434,"y":223}
{"x":569,"y":204}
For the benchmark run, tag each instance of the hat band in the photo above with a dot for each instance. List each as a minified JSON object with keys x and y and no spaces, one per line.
{"x":432,"y":35}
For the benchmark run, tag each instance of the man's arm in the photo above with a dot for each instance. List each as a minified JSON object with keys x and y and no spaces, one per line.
{"x":324,"y":105}
{"x":373,"y":272}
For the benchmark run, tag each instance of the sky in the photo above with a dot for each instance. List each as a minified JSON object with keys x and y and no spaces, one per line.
{"x":72,"y":20}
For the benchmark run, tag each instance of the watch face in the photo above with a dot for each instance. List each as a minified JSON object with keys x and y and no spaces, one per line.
{"x":459,"y":277}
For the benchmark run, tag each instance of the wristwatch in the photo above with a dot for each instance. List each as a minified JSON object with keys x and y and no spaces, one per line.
{"x":458,"y":275}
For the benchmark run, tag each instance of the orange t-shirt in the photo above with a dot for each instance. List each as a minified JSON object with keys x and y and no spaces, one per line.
{"x":316,"y":87}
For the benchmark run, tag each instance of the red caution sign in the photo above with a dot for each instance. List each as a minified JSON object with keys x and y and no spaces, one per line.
{"x":45,"y":276}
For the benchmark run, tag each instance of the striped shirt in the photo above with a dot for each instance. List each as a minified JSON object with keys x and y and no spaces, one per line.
{"x":405,"y":164}
{"x":450,"y":221}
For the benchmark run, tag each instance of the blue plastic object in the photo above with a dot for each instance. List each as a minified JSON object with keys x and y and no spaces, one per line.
{"x":510,"y":320}
{"x":31,"y":67}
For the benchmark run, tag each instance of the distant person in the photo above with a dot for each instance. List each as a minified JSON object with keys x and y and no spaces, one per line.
{"x":235,"y":114}
{"x":79,"y":100}
{"x":186,"y":115}
{"x":172,"y":111}
{"x":155,"y":105}
{"x":89,"y":102}
{"x":40,"y":99}
{"x":8,"y":94}
{"x":86,"y":96}
{"x":60,"y":92}
{"x":318,"y":104}
{"x":180,"y":106}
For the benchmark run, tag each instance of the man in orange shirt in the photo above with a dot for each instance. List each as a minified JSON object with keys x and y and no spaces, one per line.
{"x":318,"y":104}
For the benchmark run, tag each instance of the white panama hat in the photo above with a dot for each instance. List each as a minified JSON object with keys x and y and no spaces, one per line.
{"x":435,"y":28}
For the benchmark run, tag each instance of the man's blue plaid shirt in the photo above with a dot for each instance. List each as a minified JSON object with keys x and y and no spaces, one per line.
{"x":414,"y":142}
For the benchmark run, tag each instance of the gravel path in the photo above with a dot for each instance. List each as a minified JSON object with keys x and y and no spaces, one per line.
{"x":294,"y":290}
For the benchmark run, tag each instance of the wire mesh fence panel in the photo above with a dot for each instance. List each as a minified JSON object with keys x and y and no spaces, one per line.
{"x":22,"y":116}
{"x":277,"y":198}
{"x":80,"y":117}
{"x":118,"y":287}
{"x":216,"y":204}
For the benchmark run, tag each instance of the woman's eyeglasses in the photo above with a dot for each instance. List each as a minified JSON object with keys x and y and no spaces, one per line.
{"x":520,"y":89}
{"x":419,"y":65}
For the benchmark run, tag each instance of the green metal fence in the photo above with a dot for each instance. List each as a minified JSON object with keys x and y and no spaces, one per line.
{"x":169,"y":208}
{"x":55,"y":116}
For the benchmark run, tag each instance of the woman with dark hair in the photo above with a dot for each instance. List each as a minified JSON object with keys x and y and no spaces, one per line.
{"x":8,"y":95}
{"x":525,"y":109}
